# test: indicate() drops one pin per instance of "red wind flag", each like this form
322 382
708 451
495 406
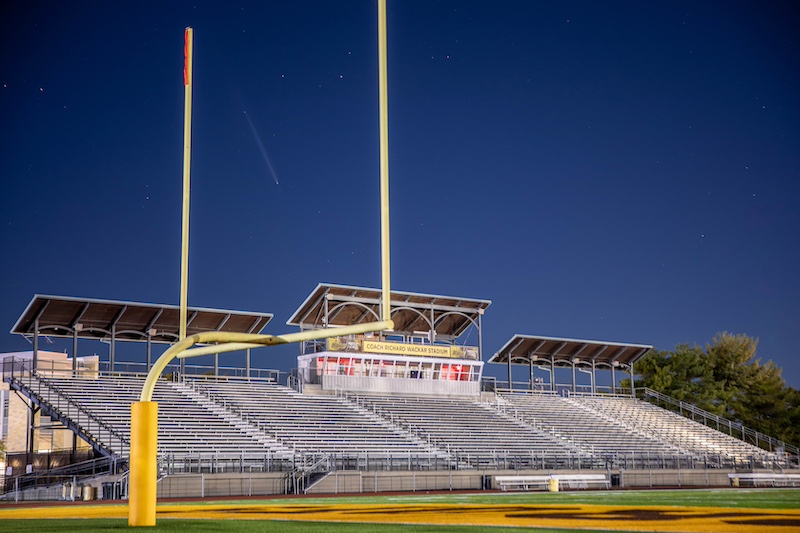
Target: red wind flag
186 57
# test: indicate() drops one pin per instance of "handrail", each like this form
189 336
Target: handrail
18 370
757 436
91 468
60 392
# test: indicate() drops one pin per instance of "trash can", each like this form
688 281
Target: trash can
553 485
88 493
615 482
735 481
486 483
108 491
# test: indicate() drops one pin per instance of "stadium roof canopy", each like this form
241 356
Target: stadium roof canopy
341 305
530 349
59 316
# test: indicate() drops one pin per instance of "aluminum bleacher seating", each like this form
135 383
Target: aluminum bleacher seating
229 417
588 430
319 424
185 425
680 431
465 427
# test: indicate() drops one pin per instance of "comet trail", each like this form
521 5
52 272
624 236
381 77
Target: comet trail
261 147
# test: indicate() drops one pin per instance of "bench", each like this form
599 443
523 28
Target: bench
769 479
582 481
572 481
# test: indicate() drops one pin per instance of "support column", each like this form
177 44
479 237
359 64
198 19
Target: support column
613 379
552 374
247 363
432 336
31 431
149 350
530 384
574 383
633 388
112 348
35 343
480 335
144 467
216 365
594 379
75 351
510 383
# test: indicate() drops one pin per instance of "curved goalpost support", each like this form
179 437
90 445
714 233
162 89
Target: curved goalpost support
144 413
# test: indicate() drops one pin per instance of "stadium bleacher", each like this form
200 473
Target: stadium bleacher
679 431
316 424
186 425
230 417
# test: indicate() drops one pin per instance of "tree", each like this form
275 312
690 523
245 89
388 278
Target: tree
728 380
764 402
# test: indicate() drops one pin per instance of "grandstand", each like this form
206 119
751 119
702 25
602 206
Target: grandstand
404 410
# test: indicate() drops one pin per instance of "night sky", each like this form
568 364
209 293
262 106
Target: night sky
623 171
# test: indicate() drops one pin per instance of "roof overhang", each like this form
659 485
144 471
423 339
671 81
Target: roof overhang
532 349
60 316
411 312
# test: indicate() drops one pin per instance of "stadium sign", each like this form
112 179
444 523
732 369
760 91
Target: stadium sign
341 344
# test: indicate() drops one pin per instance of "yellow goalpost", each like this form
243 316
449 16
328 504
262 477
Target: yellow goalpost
144 413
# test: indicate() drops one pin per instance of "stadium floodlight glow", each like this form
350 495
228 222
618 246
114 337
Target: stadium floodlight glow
144 413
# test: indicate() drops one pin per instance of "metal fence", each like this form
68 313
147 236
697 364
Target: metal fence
734 429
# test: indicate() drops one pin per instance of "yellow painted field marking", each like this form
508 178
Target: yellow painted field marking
591 517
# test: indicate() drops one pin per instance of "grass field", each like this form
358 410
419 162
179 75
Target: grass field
733 498
701 511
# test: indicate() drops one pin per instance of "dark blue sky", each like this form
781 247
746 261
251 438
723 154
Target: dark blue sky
623 171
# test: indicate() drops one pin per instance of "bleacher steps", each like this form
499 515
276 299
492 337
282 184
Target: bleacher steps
628 427
260 436
407 432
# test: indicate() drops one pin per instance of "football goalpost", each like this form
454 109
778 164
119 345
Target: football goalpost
144 413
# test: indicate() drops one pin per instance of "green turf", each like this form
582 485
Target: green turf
732 498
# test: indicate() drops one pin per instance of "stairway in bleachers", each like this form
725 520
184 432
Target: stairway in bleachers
186 426
311 424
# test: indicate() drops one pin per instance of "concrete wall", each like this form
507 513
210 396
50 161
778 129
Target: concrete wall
675 478
221 485
355 482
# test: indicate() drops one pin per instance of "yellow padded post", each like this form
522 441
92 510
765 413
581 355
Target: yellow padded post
144 468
